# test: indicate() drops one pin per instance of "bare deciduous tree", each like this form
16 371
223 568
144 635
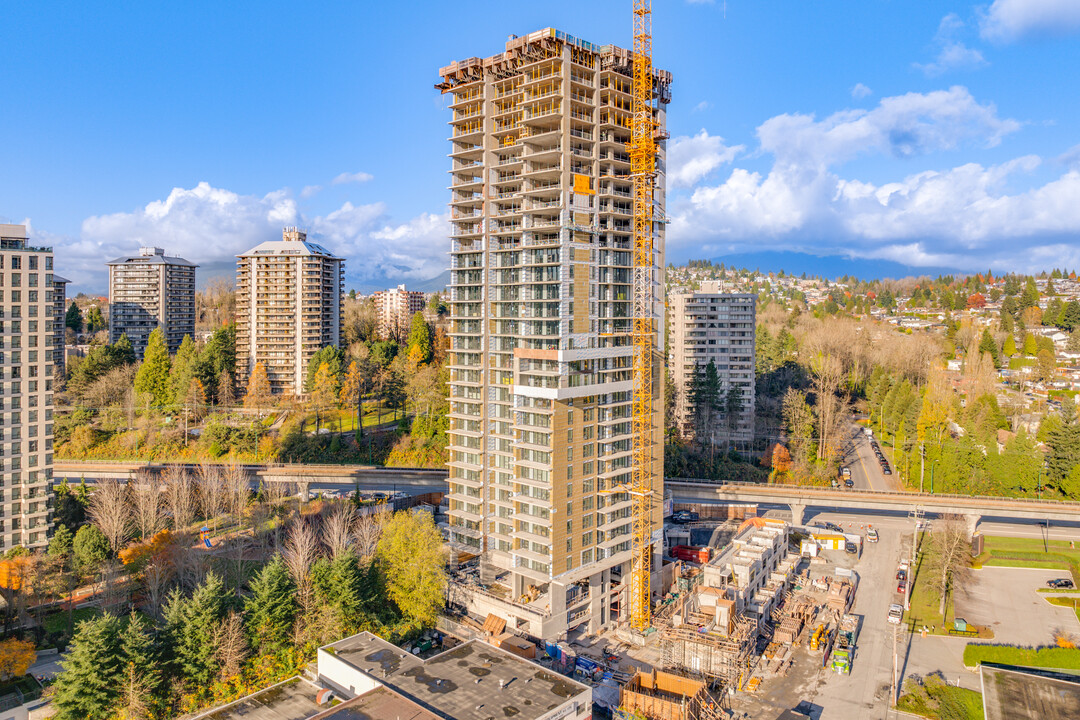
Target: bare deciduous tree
156 579
147 504
367 530
948 559
212 490
232 647
180 497
337 528
239 489
110 510
300 552
114 586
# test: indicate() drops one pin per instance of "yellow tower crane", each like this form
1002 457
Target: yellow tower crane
643 170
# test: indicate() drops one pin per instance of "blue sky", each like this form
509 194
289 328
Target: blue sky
943 134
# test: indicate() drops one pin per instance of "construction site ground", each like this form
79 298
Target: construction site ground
803 681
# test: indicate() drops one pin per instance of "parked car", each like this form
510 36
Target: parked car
901 587
885 470
845 471
901 574
1059 583
833 527
684 516
896 613
849 483
871 535
851 548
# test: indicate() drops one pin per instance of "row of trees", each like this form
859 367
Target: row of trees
331 575
947 443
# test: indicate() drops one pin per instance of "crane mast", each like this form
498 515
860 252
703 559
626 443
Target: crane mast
643 171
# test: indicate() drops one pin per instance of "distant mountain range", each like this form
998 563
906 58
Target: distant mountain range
829 267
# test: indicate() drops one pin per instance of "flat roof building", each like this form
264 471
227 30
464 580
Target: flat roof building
27 363
712 326
541 311
473 681
151 290
288 307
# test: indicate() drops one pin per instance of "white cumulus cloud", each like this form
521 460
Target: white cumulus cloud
690 159
210 226
356 177
1009 20
952 53
860 91
963 216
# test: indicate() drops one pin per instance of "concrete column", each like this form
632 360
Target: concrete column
798 512
304 494
972 522
597 590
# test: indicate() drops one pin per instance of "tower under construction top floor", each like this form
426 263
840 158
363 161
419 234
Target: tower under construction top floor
542 312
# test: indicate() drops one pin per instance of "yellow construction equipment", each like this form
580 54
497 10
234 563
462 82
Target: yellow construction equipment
643 170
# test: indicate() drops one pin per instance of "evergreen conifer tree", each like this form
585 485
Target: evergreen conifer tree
271 609
89 687
153 375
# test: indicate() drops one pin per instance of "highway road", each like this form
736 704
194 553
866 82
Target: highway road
865 469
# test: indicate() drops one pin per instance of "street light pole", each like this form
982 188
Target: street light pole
922 465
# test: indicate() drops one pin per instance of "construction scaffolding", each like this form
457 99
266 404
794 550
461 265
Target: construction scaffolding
722 658
664 696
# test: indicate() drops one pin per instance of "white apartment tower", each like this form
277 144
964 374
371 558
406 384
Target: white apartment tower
394 309
151 290
288 307
541 308
712 326
28 332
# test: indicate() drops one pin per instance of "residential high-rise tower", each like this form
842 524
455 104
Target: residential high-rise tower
394 309
712 326
26 407
288 307
541 307
151 290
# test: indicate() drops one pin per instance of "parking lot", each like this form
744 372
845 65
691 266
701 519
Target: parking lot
1006 601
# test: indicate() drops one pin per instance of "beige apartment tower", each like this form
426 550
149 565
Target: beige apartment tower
394 310
28 332
151 290
712 326
541 308
288 307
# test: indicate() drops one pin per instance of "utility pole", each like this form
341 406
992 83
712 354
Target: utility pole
917 513
892 694
922 465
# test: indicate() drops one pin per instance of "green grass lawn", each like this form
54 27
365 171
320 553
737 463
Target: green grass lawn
1047 657
1031 552
934 698
58 621
345 420
925 602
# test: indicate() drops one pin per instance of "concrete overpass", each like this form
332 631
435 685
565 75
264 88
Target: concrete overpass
305 477
798 498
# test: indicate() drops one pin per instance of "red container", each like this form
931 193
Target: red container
691 553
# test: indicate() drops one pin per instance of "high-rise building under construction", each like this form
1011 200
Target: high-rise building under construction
542 312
